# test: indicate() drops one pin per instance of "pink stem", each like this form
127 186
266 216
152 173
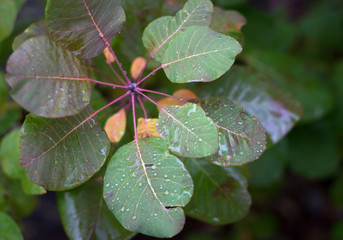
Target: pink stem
134 119
103 83
167 95
152 101
145 66
152 73
115 73
145 115
116 60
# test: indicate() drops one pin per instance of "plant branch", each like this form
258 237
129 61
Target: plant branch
102 83
167 95
152 73
160 107
115 73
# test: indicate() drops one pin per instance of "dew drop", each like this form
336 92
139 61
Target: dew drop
140 184
122 209
241 153
200 139
101 35
165 175
134 217
107 185
153 167
166 192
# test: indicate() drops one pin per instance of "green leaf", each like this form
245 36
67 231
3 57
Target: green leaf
228 22
274 107
35 30
97 222
3 93
220 194
199 55
188 131
241 137
9 230
159 33
62 153
145 188
8 13
47 80
84 27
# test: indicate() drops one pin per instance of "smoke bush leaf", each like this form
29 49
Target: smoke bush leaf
46 79
159 33
184 94
84 26
241 137
147 128
62 153
115 126
188 131
199 55
35 30
8 228
146 187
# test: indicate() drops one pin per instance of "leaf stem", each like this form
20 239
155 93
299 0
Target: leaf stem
152 101
102 83
115 73
152 73
145 115
167 95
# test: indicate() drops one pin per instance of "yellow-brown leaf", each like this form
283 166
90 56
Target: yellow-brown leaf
182 93
115 126
137 67
147 129
109 56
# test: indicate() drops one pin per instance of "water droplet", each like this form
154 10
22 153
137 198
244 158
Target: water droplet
221 120
166 192
159 163
122 209
153 167
200 139
140 184
134 217
165 175
101 35
241 153
107 185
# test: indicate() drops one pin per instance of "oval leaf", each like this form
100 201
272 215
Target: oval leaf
97 222
84 26
47 80
159 33
184 94
220 194
241 137
115 126
146 187
9 230
147 128
188 131
34 30
199 55
137 67
62 153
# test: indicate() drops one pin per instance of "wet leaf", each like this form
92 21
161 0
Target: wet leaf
241 137
184 94
199 55
137 67
46 79
35 30
97 222
147 128
188 131
115 126
9 230
62 153
9 156
84 27
159 33
220 194
228 22
274 107
146 187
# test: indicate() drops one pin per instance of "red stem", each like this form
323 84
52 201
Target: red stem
152 73
167 95
152 101
115 73
103 83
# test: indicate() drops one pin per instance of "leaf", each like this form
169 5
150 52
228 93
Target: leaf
62 153
115 126
241 137
199 55
35 30
84 27
228 22
8 13
274 107
159 33
9 156
9 230
109 56
220 194
188 131
184 94
46 79
97 222
146 187
137 67
148 128
3 92
98 101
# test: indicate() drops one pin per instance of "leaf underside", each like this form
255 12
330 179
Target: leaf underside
241 137
35 30
84 26
188 131
62 153
45 79
145 188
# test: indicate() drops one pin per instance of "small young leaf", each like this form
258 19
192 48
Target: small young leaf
34 30
199 55
109 56
184 94
9 230
115 126
148 128
220 194
146 187
84 26
8 13
137 67
62 153
46 79
188 131
159 33
241 137
85 216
